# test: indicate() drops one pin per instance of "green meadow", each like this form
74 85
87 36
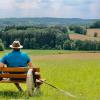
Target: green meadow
75 72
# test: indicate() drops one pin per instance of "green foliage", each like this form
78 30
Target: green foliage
35 37
46 37
95 24
71 27
61 28
81 45
1 46
43 21
78 29
67 45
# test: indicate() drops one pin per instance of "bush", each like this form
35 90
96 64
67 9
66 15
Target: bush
67 45
1 47
80 30
81 45
95 24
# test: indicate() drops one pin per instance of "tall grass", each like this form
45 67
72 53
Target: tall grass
81 77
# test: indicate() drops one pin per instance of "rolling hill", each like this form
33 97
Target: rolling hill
45 21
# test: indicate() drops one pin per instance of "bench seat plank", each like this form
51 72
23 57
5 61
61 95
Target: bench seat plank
7 75
14 81
19 69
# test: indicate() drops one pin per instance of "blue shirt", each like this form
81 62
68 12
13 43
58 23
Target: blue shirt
16 59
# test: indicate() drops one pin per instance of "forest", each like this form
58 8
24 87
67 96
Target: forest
47 36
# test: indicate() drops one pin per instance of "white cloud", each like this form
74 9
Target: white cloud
50 8
95 9
28 4
6 4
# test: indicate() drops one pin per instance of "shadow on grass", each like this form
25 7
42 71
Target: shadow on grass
17 95
13 94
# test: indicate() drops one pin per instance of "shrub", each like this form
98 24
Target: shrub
1 47
67 45
81 45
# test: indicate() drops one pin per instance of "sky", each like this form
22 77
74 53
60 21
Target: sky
86 9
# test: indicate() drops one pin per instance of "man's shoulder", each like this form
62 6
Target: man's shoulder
24 53
7 54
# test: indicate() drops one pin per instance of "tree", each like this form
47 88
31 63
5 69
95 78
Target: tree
72 27
67 45
95 24
80 30
26 43
35 37
1 46
95 34
32 43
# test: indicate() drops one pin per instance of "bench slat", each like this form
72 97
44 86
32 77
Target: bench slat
14 81
19 69
13 75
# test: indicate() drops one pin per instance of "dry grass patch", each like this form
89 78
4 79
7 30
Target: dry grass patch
83 37
91 32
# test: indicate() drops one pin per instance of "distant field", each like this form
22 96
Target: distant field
44 52
75 72
83 37
90 32
88 36
40 52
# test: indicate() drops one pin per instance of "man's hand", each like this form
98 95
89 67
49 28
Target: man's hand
2 65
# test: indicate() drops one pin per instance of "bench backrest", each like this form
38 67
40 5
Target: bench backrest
12 72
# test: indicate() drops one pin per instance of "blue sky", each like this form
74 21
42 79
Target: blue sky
50 8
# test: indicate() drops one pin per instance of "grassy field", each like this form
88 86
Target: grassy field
75 72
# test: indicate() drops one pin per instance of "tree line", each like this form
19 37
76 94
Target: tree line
95 24
46 37
86 45
38 37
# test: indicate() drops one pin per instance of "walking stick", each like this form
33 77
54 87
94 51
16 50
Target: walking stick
61 90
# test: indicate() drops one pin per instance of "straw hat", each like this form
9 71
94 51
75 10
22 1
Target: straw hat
16 44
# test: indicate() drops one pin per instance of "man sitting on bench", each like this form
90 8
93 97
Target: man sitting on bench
16 58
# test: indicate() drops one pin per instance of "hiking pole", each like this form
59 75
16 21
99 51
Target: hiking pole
61 90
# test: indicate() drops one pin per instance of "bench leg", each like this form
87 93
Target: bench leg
18 87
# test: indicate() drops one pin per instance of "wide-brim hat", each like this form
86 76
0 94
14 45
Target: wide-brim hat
16 44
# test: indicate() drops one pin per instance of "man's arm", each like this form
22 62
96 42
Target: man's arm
3 62
30 65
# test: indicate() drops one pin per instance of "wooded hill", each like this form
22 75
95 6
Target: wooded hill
46 36
45 21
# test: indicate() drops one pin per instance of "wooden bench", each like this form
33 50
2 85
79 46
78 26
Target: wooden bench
21 75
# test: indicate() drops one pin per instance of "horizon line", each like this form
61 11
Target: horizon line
52 17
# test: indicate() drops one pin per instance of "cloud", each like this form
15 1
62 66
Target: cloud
6 4
50 8
95 9
27 5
